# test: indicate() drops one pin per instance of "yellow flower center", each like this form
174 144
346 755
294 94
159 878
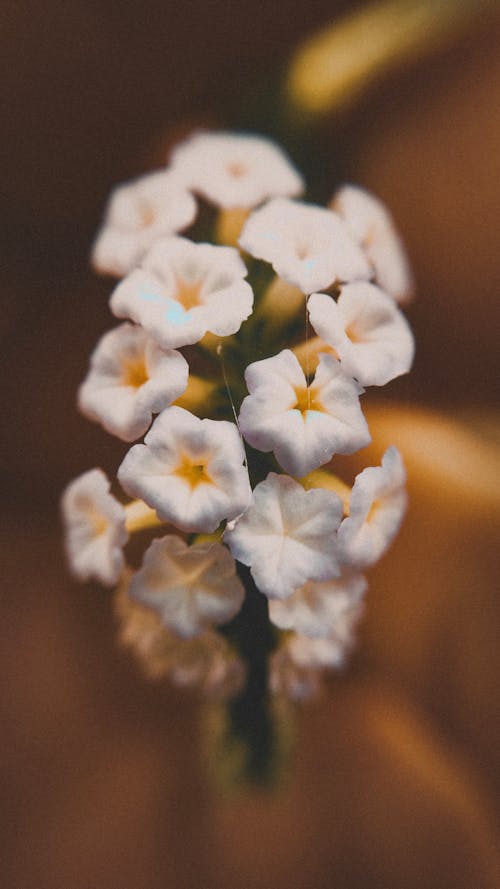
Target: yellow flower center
307 399
188 293
236 169
135 373
194 472
146 215
353 333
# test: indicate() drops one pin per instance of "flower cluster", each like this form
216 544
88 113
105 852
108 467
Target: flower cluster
233 480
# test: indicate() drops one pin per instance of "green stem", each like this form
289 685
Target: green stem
251 722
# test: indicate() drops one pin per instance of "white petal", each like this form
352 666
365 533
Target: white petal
138 213
152 296
290 679
319 609
316 653
235 169
95 528
373 227
191 587
112 396
154 471
369 333
377 506
273 416
287 535
308 246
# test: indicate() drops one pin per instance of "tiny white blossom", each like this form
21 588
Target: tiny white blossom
373 227
130 379
319 609
308 246
287 535
291 680
235 170
138 213
377 505
95 528
367 330
317 653
207 661
191 587
304 425
183 290
190 471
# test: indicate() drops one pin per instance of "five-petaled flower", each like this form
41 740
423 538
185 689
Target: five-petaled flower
206 661
376 509
130 379
183 290
235 170
319 609
190 471
95 528
372 225
309 246
287 535
368 332
138 213
190 587
303 424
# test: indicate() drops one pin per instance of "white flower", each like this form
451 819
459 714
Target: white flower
138 213
304 425
189 470
191 587
377 505
235 169
308 246
320 609
291 680
95 528
287 535
209 663
183 290
330 653
130 379
367 330
206 661
373 227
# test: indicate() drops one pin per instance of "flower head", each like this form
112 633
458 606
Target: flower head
235 169
303 424
95 528
130 379
287 535
377 505
308 246
183 290
320 609
138 213
206 661
190 471
372 225
290 680
370 335
191 587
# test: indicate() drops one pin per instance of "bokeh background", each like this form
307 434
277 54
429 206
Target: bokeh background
395 779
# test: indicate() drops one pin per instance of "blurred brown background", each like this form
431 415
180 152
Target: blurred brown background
396 775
